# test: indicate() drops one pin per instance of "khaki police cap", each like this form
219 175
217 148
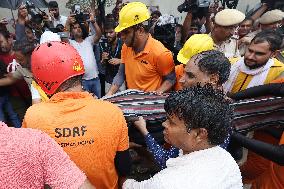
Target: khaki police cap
271 17
229 17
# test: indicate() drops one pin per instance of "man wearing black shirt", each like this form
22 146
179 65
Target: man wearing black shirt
111 54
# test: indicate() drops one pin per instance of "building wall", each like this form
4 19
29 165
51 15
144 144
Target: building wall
165 6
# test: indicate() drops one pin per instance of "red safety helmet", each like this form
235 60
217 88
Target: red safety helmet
53 63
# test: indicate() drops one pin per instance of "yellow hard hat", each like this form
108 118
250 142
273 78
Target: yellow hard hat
194 45
132 14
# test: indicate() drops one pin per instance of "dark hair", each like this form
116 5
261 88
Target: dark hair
83 28
52 4
166 35
273 37
109 18
142 25
60 27
24 46
158 13
109 25
214 62
202 107
5 33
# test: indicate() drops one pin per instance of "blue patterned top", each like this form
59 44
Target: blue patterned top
161 155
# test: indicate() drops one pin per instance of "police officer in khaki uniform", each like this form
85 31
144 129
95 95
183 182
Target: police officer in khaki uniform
225 24
269 20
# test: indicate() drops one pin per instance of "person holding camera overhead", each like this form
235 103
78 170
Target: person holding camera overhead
84 45
55 17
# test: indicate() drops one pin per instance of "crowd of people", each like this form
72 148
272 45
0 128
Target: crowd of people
61 133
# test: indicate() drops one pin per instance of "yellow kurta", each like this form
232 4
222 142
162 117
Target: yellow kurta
243 79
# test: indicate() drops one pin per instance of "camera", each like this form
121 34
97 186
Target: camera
80 16
193 5
36 16
274 4
104 45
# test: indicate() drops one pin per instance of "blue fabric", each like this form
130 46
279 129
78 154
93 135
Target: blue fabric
161 155
226 143
7 106
92 86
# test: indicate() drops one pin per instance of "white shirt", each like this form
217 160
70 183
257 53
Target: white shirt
61 20
229 47
212 168
85 49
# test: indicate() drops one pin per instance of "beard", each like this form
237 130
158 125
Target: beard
255 65
56 15
111 39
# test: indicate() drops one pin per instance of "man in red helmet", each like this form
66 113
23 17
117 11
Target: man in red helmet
92 132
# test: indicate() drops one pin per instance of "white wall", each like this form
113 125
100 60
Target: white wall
166 7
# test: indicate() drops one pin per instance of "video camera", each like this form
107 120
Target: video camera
193 5
80 16
37 16
274 4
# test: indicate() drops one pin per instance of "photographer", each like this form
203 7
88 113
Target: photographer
190 26
111 54
84 45
198 18
39 20
54 15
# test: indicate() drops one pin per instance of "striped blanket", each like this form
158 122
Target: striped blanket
249 114
136 103
256 113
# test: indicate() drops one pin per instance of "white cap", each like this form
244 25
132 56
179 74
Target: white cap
271 17
49 36
229 17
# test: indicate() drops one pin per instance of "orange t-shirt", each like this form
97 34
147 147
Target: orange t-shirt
90 131
145 70
280 80
179 69
256 164
273 178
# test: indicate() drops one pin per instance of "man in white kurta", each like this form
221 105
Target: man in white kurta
211 168
198 119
